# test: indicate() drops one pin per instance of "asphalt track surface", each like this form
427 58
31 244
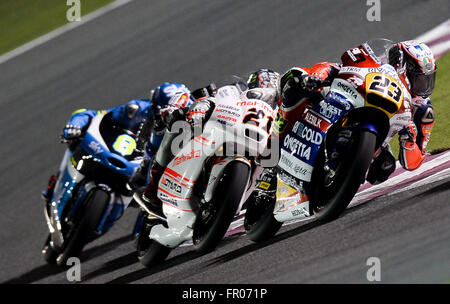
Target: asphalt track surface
122 54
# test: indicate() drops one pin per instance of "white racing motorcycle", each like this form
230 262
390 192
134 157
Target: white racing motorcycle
204 185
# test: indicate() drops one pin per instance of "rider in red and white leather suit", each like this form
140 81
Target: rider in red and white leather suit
416 67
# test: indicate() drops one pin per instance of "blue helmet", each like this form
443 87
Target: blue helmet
161 95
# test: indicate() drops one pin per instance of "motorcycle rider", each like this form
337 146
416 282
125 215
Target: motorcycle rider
416 67
262 85
130 116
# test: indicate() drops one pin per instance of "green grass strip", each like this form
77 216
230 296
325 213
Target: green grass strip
440 99
24 20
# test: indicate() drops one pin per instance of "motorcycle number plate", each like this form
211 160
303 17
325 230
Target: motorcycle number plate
124 144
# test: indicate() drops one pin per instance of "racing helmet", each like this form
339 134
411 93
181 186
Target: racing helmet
263 78
161 95
420 66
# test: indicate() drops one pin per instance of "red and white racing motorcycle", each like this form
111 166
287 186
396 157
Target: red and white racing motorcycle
203 188
326 155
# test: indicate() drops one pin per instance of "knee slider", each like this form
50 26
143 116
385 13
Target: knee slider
424 115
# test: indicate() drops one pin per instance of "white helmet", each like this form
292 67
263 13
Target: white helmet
418 59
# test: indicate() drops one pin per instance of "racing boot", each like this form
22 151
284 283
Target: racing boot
139 177
382 167
138 180
411 155
147 197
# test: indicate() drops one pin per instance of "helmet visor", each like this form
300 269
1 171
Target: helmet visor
422 84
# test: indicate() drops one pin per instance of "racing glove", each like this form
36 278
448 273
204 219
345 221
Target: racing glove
71 132
407 135
166 113
395 56
198 113
311 83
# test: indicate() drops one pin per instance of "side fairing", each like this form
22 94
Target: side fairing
301 144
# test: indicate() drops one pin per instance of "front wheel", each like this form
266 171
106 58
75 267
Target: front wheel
213 221
331 193
93 212
150 252
48 252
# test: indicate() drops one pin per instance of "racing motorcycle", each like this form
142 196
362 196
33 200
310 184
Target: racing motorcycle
326 154
89 192
204 185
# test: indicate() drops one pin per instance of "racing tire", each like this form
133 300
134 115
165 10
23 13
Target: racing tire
265 226
48 252
149 252
228 195
349 176
92 214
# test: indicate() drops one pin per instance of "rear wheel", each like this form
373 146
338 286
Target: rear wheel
94 209
260 223
215 218
331 193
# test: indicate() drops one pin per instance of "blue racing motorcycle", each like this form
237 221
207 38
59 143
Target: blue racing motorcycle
89 192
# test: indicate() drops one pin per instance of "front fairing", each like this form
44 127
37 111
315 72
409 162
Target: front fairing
66 188
110 147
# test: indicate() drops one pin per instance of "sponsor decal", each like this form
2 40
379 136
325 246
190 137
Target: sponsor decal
313 120
264 185
347 89
307 133
95 146
350 70
428 63
166 198
280 123
225 107
181 101
172 89
180 159
371 53
297 147
228 112
225 123
419 48
289 198
254 103
227 118
328 110
289 180
355 81
300 212
171 185
284 190
341 99
427 129
294 166
385 69
350 53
